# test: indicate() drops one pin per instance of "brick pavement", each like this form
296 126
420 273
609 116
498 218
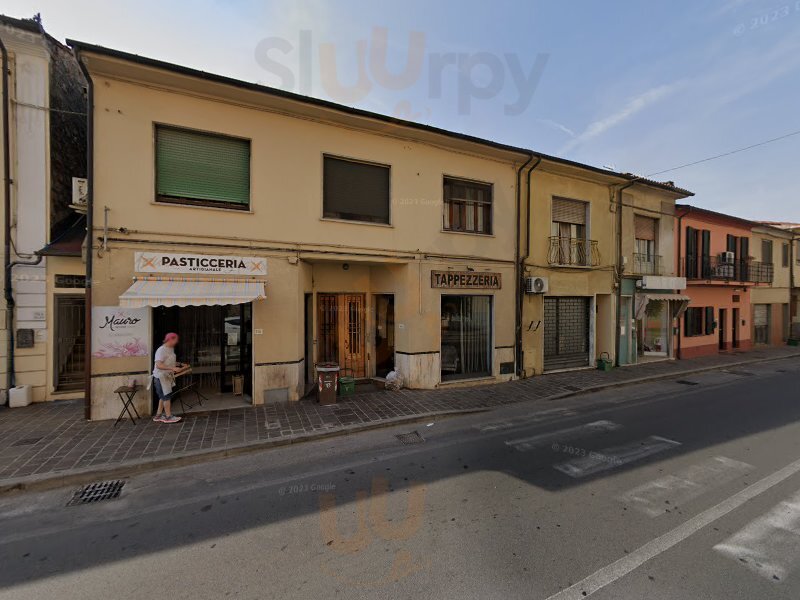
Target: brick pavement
54 439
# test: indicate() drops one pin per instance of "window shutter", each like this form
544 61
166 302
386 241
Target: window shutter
709 320
569 211
644 228
202 166
355 190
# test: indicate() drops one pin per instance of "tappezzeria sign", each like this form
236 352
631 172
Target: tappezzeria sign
466 280
158 262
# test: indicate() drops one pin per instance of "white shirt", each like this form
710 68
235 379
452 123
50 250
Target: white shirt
165 356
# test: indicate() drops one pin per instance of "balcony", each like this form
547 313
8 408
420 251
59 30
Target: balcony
647 264
573 252
716 268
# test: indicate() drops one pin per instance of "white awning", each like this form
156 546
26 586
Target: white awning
680 303
177 291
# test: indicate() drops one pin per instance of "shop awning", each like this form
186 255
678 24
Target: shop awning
178 291
680 303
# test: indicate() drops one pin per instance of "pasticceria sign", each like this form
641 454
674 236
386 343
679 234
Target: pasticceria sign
161 262
470 280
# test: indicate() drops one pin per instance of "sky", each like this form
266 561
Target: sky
639 87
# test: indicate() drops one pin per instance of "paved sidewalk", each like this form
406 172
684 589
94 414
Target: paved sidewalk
45 441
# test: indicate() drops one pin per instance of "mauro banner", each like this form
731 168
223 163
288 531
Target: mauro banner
120 332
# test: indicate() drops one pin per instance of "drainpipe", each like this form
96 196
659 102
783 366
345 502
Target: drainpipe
7 289
522 259
517 271
620 266
87 401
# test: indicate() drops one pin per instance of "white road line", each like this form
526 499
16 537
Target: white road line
522 421
611 458
770 545
543 439
657 497
611 573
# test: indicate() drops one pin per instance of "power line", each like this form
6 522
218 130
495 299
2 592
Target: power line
724 154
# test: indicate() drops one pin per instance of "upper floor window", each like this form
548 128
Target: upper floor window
785 255
204 169
467 206
355 191
569 245
766 251
646 259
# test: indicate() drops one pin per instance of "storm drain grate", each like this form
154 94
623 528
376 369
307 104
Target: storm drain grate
410 438
687 382
97 492
26 442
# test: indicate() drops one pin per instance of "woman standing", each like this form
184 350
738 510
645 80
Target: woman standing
166 365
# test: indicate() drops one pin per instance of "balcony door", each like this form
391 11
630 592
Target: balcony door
568 231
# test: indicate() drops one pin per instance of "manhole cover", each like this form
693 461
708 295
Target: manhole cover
687 382
97 492
26 442
410 438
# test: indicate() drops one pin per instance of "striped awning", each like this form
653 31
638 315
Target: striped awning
178 291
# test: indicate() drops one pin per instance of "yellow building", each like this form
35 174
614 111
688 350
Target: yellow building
770 320
576 276
273 232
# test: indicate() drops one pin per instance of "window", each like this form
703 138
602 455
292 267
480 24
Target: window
698 321
467 206
785 255
568 233
645 260
202 169
355 191
766 251
466 337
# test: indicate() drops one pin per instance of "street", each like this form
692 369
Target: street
683 489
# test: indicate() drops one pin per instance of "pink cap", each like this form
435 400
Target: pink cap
170 336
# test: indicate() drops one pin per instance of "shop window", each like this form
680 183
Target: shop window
466 350
355 191
204 169
467 206
695 321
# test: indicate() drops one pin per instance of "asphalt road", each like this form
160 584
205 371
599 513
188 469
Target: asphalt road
681 490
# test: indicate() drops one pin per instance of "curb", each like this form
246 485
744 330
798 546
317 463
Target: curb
81 476
49 481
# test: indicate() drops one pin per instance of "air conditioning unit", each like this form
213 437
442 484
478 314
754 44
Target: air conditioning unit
536 285
727 258
80 193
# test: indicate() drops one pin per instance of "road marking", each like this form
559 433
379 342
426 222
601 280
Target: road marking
770 545
611 458
543 439
534 418
657 497
611 573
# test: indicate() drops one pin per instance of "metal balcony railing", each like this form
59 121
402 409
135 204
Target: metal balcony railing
573 252
647 264
715 268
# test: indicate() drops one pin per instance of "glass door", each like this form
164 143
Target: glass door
656 328
236 345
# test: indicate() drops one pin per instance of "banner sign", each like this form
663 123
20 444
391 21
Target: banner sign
466 280
160 262
120 332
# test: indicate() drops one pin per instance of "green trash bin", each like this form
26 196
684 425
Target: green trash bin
347 384
604 362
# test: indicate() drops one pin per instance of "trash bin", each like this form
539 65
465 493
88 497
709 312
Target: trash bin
327 382
347 383
604 363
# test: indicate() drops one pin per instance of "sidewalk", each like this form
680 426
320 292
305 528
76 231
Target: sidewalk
52 442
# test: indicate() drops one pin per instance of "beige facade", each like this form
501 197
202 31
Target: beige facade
772 301
307 254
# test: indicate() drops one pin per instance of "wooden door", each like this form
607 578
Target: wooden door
341 331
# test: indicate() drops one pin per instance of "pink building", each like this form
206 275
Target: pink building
713 251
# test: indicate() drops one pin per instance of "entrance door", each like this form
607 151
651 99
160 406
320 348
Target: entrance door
723 327
566 332
761 323
735 329
341 331
384 334
70 368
